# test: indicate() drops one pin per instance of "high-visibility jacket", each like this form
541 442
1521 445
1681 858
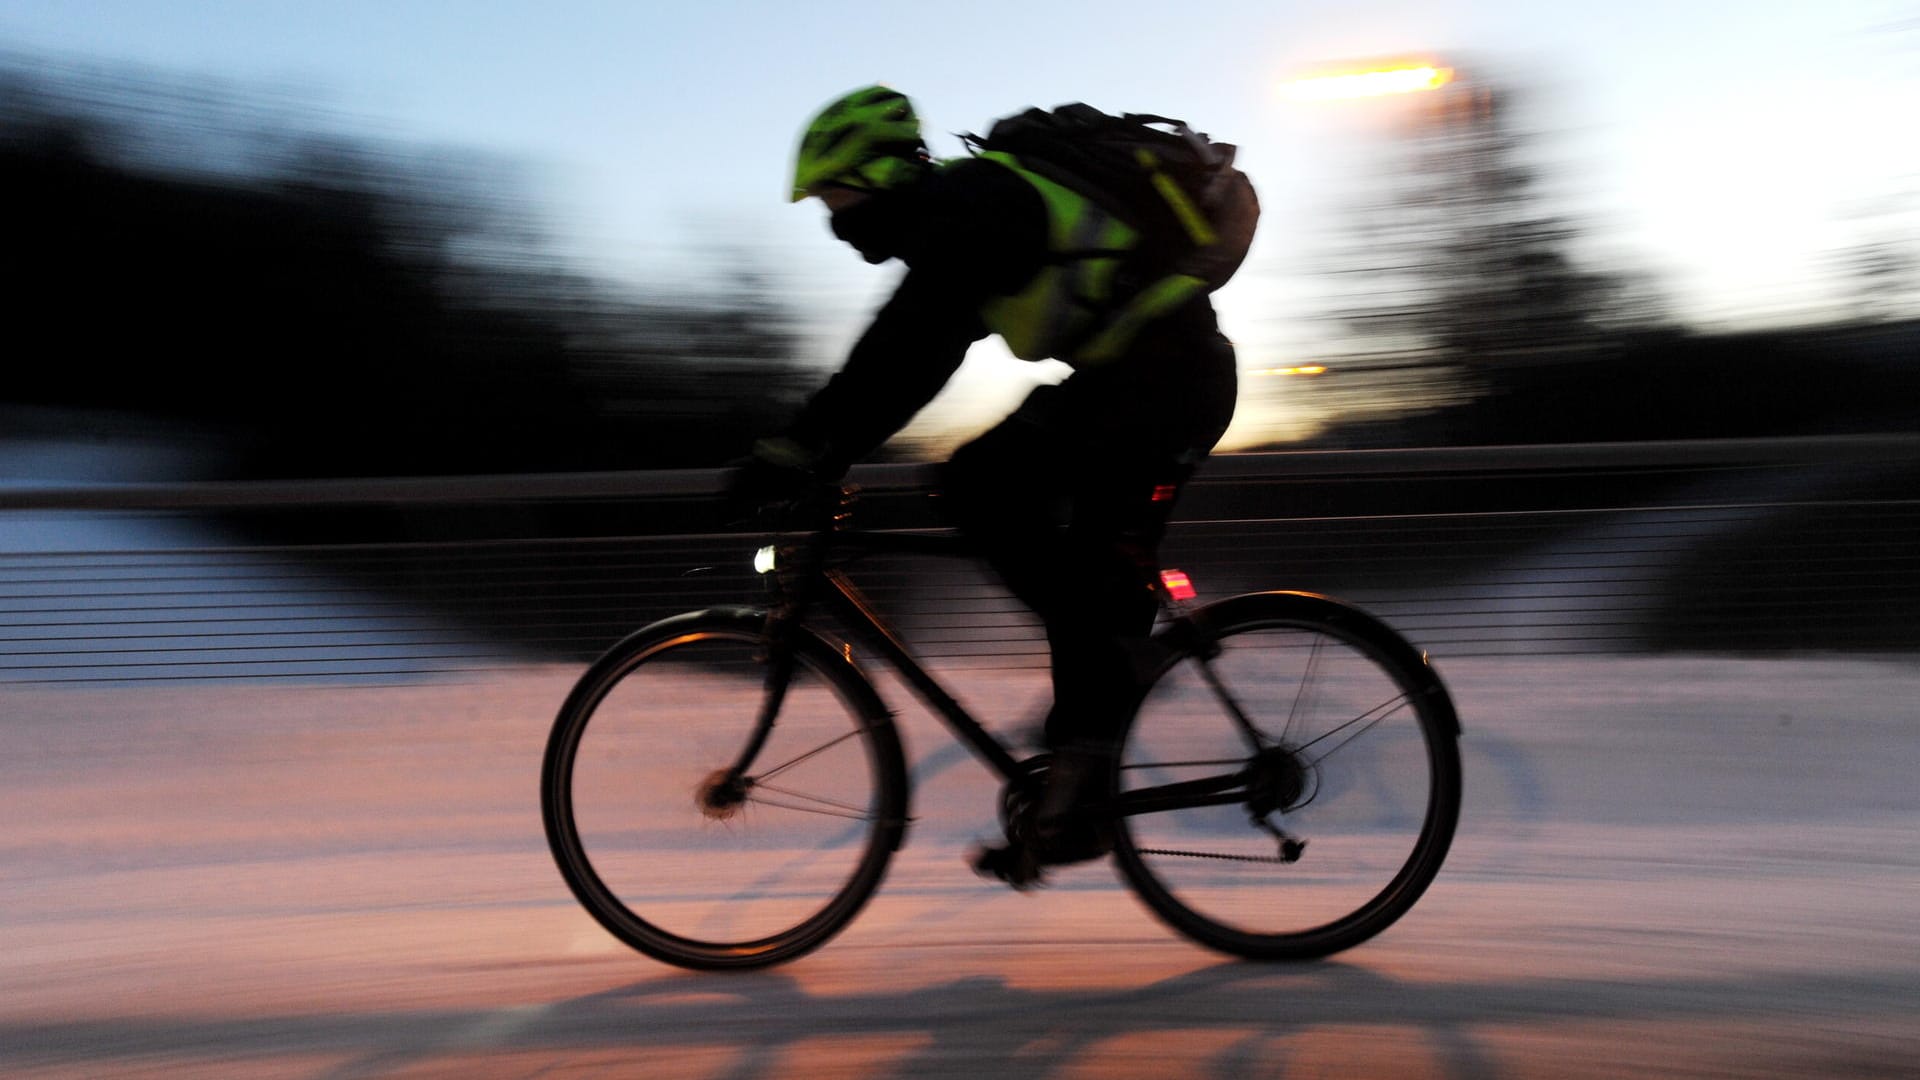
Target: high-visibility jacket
1073 308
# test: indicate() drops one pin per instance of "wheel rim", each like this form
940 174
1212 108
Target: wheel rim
674 868
1345 746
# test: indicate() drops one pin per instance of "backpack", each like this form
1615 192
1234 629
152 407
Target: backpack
1195 212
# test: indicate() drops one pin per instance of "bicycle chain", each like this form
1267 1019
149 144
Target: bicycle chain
1213 855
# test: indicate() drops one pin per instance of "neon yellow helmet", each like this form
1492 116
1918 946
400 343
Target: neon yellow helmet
868 140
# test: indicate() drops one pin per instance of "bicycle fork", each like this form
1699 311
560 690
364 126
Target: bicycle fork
722 793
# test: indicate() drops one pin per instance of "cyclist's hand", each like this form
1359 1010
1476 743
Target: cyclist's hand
775 477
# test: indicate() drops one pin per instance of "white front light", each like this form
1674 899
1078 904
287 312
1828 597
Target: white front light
763 560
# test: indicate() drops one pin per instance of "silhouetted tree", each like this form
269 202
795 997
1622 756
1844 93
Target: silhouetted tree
1456 255
334 306
1882 267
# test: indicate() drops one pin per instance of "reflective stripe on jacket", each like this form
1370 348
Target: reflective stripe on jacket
1069 310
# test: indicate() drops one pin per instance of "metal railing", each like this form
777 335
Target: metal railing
1749 546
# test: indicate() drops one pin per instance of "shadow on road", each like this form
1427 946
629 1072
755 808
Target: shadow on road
1226 1020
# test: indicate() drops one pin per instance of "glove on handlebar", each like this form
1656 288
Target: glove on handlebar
778 475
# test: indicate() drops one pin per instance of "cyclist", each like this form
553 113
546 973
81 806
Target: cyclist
1068 496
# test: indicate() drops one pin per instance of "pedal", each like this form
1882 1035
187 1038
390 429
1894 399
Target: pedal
1011 864
1291 846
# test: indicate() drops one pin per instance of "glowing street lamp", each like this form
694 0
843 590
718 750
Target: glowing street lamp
1377 81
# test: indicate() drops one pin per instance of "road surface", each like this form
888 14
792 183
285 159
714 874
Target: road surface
1667 867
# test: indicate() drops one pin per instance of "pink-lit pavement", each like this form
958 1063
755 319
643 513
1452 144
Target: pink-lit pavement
1684 867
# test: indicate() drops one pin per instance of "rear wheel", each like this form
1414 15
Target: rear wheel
672 852
1351 776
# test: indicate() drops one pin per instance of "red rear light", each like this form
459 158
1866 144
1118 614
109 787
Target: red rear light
1163 492
1179 586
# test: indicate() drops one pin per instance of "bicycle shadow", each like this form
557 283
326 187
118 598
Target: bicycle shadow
1230 1019
982 1024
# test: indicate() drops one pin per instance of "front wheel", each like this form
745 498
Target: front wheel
1334 749
677 850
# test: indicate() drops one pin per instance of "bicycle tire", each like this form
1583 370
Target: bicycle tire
1246 637
680 681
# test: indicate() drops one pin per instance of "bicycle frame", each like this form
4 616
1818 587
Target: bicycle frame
845 600
842 597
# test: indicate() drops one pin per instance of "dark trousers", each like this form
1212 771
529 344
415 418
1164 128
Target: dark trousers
1068 499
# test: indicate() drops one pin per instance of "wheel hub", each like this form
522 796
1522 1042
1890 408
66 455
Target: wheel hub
721 795
1276 781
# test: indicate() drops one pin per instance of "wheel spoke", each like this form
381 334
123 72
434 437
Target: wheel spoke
821 749
1306 679
1370 718
822 805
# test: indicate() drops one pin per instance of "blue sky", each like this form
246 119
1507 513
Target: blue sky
1721 144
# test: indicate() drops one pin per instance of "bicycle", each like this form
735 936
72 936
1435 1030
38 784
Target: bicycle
694 788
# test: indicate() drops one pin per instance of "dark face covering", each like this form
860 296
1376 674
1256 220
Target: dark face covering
869 225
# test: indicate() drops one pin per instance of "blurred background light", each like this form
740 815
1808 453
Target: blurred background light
1369 82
